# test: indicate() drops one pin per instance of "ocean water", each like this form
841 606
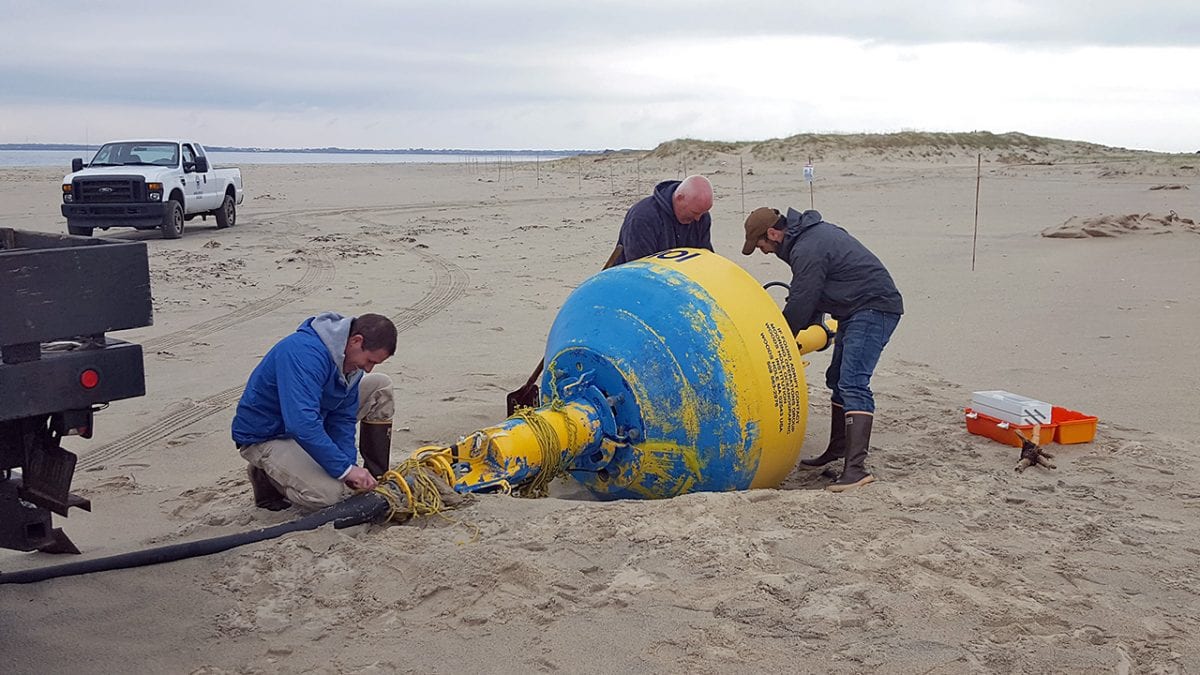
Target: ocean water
62 158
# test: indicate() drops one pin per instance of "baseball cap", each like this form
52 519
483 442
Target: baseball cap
757 223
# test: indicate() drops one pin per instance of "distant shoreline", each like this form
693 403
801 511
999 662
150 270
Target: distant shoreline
1008 147
325 151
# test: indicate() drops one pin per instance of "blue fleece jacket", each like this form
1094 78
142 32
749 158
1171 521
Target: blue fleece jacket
650 226
298 391
832 273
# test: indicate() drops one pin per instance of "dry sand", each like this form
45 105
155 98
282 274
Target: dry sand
950 563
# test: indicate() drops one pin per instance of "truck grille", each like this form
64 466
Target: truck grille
112 191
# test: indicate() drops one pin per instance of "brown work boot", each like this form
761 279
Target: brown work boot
266 495
858 440
837 438
375 445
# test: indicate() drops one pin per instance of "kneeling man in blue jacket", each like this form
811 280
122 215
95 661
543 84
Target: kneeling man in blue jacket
295 421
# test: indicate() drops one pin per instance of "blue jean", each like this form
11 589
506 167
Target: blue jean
859 341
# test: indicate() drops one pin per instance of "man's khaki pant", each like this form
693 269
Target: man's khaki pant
297 474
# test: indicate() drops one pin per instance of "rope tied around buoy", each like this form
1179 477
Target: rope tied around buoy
421 485
549 445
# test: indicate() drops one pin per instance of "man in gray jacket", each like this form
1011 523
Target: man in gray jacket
833 273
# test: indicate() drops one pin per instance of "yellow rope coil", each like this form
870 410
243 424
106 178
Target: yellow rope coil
411 489
548 444
417 485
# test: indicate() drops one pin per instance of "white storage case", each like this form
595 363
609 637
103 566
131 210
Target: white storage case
1010 407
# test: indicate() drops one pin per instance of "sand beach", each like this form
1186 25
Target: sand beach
950 563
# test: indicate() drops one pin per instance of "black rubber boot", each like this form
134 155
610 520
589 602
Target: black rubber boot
266 495
858 441
837 438
375 446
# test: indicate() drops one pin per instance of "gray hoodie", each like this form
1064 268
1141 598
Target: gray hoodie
334 331
832 273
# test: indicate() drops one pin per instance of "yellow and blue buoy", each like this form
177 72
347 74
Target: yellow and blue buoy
667 375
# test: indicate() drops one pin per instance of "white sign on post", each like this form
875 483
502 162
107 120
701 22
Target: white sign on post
808 173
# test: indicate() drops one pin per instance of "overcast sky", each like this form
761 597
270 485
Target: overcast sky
596 74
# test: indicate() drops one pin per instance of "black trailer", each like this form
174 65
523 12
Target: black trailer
59 296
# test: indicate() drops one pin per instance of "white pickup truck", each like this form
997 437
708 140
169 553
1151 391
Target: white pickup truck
148 185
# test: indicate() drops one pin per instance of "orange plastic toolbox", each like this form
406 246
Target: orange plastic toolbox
999 430
1071 426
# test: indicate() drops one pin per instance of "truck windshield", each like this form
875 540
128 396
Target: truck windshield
137 153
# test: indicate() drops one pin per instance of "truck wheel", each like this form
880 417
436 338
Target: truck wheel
172 224
227 214
79 229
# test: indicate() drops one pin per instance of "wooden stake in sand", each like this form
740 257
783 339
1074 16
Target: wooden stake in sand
974 237
809 176
742 176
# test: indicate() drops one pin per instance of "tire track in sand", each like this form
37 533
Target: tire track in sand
319 271
449 284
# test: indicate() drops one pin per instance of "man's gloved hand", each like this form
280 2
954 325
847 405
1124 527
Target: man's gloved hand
360 479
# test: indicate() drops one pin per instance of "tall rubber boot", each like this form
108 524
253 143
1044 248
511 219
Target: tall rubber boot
375 445
858 440
266 495
837 438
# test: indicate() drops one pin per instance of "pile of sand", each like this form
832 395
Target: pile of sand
1114 226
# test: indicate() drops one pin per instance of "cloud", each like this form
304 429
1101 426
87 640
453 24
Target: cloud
599 74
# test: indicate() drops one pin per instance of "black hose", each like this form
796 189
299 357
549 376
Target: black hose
362 508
